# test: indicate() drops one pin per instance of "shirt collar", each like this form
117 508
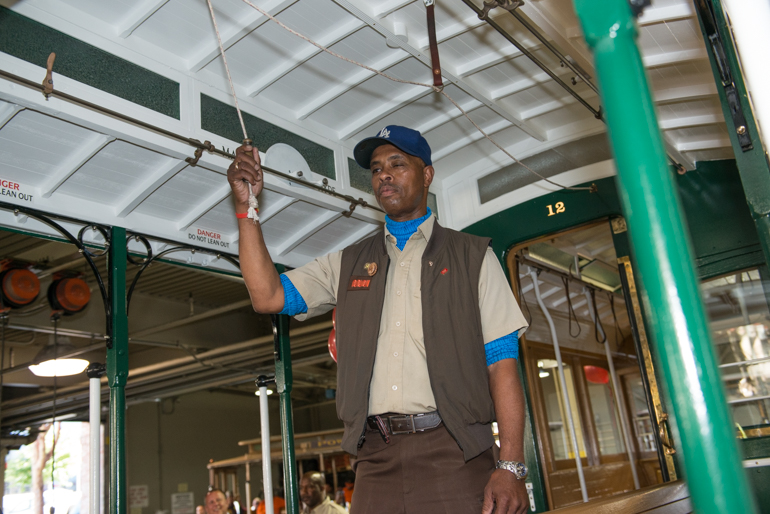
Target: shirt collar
425 228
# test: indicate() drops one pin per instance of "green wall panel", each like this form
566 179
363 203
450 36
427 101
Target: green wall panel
33 42
222 119
722 229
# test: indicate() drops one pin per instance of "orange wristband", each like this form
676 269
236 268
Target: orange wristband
241 215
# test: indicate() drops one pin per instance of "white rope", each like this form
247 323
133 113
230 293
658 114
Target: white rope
253 203
437 89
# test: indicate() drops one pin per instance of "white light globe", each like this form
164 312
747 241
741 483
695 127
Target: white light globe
59 367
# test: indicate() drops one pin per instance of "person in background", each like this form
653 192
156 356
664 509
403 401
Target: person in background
278 502
215 502
200 510
312 492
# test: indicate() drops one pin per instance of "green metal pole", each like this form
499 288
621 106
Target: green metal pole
680 333
117 370
283 383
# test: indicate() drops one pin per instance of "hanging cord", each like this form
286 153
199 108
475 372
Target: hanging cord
570 309
55 318
618 340
3 323
437 89
597 320
522 298
253 212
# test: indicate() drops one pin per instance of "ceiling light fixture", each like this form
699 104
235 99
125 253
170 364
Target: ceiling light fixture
51 366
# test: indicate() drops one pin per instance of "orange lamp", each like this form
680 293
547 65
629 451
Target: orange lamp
20 287
70 294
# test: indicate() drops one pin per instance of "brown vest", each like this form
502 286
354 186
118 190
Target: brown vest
451 324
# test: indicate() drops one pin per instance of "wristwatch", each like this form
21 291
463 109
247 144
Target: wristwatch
519 469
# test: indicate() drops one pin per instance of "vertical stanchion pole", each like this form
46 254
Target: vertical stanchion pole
264 418
563 379
283 383
117 369
95 372
651 206
615 389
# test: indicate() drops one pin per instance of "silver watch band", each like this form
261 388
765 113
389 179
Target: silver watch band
519 469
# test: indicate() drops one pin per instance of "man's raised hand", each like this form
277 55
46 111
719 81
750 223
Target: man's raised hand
246 167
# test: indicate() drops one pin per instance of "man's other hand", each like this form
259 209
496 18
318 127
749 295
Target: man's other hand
246 167
505 494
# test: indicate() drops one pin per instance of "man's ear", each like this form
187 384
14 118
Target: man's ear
428 173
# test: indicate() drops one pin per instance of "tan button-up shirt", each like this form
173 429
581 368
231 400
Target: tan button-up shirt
400 381
325 507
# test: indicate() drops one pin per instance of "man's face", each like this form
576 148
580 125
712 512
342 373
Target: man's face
400 182
216 503
310 492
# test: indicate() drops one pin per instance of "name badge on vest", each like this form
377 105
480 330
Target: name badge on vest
359 283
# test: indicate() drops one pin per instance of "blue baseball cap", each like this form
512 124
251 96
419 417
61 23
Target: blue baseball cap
405 139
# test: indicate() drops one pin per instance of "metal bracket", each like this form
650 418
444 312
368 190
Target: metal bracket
149 258
508 5
353 204
725 74
206 145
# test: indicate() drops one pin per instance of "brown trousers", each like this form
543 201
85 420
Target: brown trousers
421 473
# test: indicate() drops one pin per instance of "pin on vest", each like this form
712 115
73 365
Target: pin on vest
371 268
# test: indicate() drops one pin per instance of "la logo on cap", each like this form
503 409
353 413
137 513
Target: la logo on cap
384 133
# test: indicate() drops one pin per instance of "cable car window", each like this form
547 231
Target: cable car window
556 410
605 413
737 307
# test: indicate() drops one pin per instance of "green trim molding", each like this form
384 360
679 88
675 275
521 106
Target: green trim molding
33 42
222 119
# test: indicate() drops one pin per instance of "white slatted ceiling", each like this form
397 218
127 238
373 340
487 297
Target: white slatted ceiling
220 219
364 98
325 240
419 112
111 175
112 13
284 225
325 71
181 193
26 157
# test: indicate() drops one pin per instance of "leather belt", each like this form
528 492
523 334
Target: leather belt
396 424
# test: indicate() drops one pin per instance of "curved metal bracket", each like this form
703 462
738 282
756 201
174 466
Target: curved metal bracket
88 255
508 5
150 258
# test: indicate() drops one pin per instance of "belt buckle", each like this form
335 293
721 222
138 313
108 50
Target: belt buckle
408 420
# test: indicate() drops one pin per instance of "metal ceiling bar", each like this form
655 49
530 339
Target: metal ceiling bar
173 135
532 57
656 226
555 51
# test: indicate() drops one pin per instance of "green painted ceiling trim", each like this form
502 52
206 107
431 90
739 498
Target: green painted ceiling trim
33 42
222 119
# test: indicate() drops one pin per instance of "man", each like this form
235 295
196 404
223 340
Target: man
312 492
426 338
215 502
